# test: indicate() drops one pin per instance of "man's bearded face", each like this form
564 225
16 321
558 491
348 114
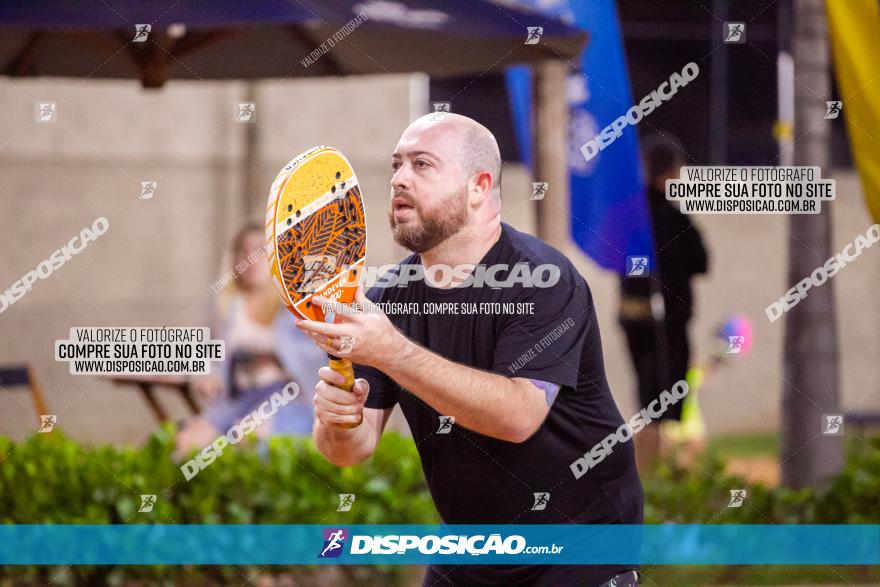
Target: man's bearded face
420 227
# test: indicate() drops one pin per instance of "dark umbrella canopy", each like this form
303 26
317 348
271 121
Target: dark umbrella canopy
230 39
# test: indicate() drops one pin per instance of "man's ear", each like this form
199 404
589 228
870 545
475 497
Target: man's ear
481 187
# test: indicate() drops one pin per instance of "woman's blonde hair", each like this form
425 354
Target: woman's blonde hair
267 299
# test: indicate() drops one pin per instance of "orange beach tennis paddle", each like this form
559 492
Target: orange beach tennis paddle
316 237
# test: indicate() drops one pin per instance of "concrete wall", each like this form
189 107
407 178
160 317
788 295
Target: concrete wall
156 264
748 258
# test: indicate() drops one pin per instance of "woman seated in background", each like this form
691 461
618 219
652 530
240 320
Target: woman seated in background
264 352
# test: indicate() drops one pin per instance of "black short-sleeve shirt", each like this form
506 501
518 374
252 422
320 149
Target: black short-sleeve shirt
544 333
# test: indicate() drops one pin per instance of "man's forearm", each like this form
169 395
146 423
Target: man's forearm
487 403
343 446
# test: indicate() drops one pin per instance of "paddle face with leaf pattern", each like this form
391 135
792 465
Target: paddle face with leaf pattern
316 236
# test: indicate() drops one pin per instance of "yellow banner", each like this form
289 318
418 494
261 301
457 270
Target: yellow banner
855 37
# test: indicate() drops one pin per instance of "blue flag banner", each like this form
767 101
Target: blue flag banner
518 80
609 210
662 544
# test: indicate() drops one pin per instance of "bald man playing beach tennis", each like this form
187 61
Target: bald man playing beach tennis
501 400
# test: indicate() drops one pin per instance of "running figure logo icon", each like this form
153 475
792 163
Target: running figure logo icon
446 423
636 266
317 271
736 344
246 112
541 500
141 32
832 109
534 34
833 424
45 112
440 110
346 500
47 422
539 190
737 496
736 32
334 541
148 189
147 503
346 345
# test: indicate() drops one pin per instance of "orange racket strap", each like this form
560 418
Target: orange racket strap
344 368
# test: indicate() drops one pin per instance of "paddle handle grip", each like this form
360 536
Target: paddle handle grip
344 368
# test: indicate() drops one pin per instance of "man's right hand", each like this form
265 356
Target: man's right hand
336 410
335 407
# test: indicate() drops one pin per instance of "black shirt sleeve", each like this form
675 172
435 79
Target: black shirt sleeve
547 344
383 391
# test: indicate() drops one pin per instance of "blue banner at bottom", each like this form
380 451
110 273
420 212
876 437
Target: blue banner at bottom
667 544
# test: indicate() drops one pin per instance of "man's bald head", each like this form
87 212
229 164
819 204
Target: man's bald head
445 181
475 145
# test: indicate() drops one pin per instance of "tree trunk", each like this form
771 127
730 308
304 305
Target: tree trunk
810 384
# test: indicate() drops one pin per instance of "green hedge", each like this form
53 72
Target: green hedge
49 478
701 494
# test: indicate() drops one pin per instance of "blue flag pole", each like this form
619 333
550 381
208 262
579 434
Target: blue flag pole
609 211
